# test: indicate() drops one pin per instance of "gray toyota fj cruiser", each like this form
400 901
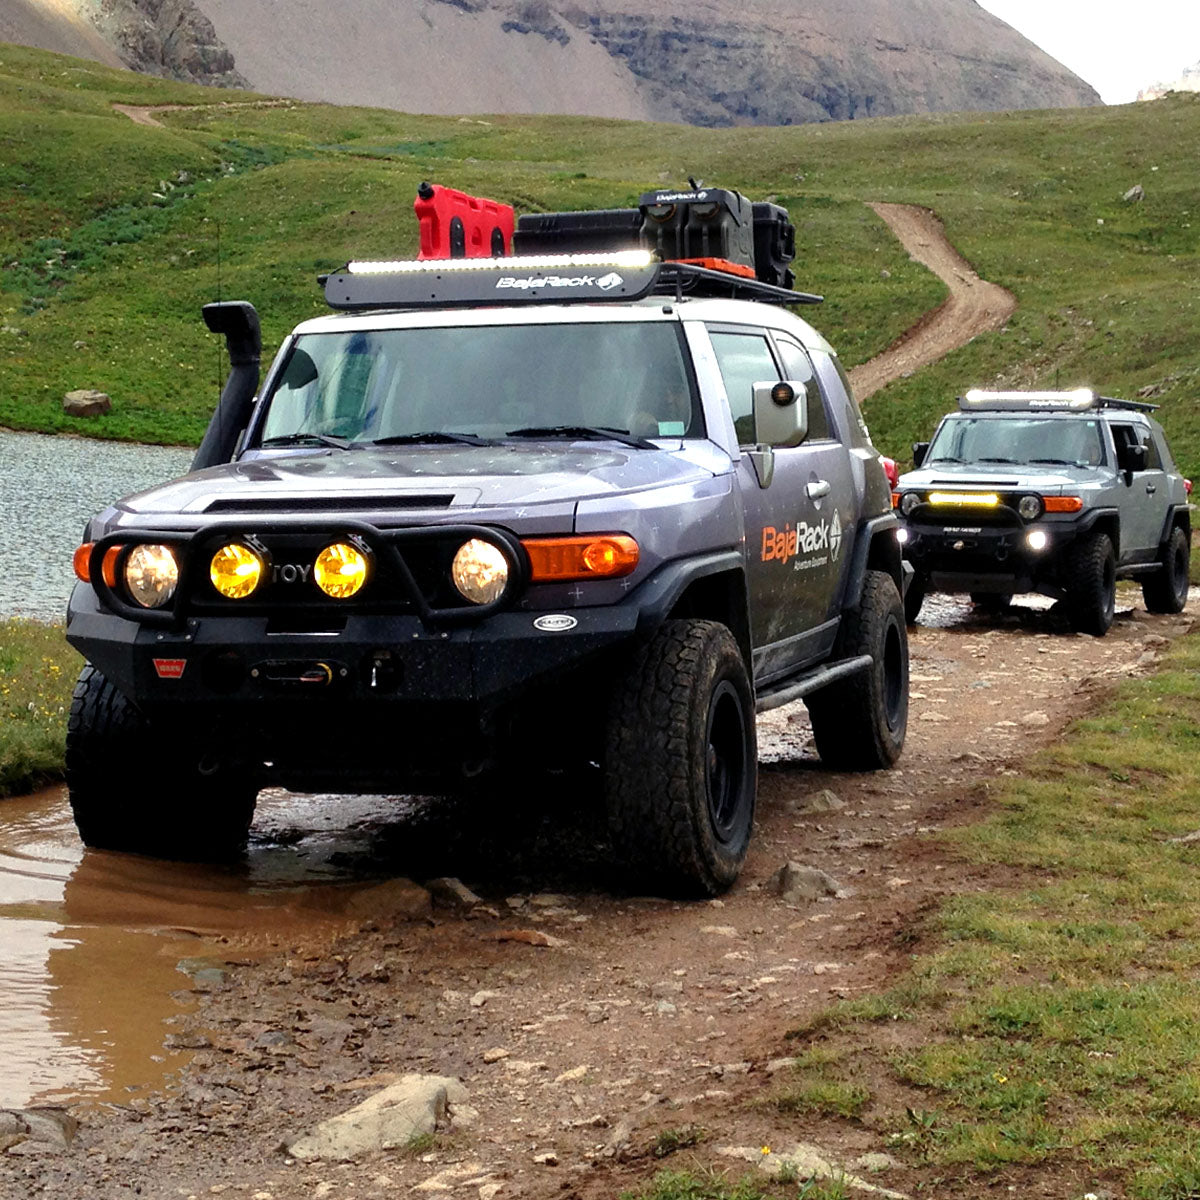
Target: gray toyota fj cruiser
498 516
1060 493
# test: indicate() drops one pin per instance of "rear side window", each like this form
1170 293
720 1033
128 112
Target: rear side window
744 359
798 367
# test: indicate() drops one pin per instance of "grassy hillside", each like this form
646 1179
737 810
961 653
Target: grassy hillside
112 234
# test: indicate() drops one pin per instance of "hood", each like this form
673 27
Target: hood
1046 478
443 477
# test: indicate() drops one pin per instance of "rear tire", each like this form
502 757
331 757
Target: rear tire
681 761
1166 591
134 789
859 723
1092 586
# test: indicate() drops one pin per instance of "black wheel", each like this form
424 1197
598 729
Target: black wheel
681 760
859 723
991 602
914 597
1166 591
1092 584
134 789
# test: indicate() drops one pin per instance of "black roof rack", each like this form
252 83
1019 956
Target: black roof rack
1078 400
540 279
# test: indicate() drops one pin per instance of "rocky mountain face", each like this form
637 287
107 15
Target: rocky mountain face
169 38
704 62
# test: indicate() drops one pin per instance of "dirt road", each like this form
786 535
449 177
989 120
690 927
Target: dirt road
582 1022
973 307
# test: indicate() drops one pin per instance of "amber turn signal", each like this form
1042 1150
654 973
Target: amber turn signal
1066 504
598 556
82 562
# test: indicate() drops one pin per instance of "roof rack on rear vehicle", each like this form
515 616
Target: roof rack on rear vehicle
1078 400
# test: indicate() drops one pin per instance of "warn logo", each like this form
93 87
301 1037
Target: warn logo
169 668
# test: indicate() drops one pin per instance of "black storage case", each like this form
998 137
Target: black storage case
774 244
593 232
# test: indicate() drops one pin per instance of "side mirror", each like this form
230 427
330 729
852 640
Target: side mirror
920 449
780 413
1133 458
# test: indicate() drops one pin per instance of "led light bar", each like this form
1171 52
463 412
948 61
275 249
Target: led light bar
1074 401
526 262
965 499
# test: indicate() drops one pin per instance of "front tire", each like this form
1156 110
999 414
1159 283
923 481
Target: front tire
681 760
133 789
859 723
1092 590
1166 591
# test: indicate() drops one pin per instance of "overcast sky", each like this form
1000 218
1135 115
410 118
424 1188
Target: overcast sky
1118 46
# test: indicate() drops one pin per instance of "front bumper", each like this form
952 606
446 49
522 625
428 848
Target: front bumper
988 558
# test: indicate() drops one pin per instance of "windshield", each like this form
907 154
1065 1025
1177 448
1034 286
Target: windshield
1019 440
365 386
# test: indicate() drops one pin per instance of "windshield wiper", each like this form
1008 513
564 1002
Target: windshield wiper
1012 461
601 433
304 439
433 435
1056 462
941 458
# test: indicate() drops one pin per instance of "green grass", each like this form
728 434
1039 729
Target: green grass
110 231
1054 1026
37 673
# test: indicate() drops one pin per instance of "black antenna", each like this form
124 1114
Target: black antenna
218 224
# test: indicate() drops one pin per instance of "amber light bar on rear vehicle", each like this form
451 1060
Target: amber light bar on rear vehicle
594 556
964 499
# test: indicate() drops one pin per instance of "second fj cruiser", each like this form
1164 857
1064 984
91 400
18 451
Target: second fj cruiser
500 515
1060 493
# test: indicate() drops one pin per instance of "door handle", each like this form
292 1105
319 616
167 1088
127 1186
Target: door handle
818 489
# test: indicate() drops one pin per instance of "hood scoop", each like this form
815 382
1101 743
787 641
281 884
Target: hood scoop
327 504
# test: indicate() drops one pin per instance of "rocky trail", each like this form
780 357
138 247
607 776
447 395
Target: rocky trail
577 1027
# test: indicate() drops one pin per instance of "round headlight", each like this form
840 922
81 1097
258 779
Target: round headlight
480 571
909 501
236 570
151 575
341 570
1030 508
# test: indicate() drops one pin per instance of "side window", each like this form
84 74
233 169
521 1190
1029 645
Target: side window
745 359
796 365
1154 460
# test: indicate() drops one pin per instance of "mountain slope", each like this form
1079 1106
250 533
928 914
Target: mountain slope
701 62
54 25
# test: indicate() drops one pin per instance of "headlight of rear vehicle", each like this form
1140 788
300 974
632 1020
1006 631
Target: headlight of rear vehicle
1030 507
909 501
151 575
236 570
479 571
341 570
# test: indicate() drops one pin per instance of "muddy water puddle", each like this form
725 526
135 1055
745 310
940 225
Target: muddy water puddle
100 950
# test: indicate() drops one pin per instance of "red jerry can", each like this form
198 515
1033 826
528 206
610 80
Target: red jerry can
455 225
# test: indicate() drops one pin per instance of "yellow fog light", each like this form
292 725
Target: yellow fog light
151 574
236 570
341 570
480 571
965 499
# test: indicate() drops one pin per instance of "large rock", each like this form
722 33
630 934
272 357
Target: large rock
389 1120
86 402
